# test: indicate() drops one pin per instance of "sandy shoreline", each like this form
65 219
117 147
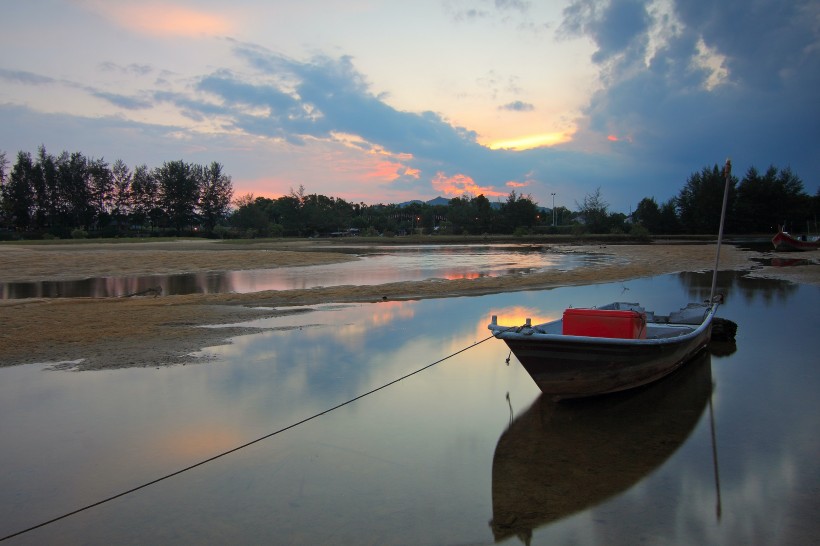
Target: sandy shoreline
140 331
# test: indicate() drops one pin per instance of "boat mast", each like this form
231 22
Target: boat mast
727 175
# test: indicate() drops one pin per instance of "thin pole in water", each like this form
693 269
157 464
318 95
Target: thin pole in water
727 174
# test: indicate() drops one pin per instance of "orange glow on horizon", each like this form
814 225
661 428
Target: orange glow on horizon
531 142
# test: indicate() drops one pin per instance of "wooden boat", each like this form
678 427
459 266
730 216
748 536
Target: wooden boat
783 240
620 346
559 459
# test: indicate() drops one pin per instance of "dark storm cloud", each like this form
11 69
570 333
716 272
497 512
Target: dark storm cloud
614 26
760 106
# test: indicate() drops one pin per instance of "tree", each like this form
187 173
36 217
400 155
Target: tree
121 192
250 216
75 191
701 200
668 220
46 195
484 215
593 210
18 193
101 188
518 212
216 192
144 196
768 200
4 163
648 214
179 192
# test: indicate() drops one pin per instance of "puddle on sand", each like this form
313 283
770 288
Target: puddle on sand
379 266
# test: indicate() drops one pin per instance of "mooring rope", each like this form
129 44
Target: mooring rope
243 446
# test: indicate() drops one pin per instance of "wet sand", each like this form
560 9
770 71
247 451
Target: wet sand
154 331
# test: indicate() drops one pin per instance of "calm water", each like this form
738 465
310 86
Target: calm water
733 459
378 265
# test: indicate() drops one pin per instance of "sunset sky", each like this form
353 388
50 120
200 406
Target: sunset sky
386 101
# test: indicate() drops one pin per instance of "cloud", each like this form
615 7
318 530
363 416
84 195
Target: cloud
616 27
122 101
517 106
24 77
30 78
472 10
461 184
697 80
135 69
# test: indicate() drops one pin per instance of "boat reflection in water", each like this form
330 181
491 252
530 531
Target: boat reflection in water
560 458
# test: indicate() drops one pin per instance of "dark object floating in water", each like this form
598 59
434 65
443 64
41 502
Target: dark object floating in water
723 329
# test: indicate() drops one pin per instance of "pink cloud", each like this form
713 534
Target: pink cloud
461 184
389 171
614 138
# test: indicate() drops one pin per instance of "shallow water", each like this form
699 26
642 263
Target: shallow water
378 265
418 462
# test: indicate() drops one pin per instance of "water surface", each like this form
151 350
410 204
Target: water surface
419 461
377 265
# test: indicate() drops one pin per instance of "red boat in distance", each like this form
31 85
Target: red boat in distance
784 241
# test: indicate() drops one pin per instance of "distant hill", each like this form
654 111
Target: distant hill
438 201
433 202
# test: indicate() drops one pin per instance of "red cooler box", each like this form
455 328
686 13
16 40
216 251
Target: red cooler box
605 323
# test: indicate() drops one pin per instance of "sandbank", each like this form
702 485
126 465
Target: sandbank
103 333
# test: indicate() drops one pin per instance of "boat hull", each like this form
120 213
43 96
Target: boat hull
577 366
784 241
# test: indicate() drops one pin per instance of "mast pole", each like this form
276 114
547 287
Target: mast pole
727 175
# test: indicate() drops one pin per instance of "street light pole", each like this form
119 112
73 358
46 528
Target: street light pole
553 209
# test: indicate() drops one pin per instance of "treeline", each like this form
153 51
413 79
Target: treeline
301 214
757 203
71 195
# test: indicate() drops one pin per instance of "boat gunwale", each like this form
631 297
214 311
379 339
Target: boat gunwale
528 333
